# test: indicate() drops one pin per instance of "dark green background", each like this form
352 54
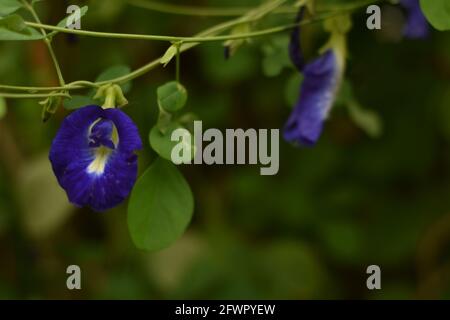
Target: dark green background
308 232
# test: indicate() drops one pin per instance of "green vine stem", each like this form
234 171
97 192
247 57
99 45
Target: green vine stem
33 96
47 41
189 10
188 43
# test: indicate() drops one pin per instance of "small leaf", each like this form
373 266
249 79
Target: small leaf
232 46
162 143
115 72
2 107
437 13
160 208
367 120
276 57
63 22
14 28
49 107
172 96
168 56
9 6
78 101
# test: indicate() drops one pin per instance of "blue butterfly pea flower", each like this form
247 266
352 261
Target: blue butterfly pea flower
93 157
416 26
317 93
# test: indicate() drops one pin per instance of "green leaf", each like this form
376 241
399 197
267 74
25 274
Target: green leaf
367 120
63 22
437 13
232 46
9 6
49 107
2 107
14 28
161 141
160 208
168 55
276 56
115 72
172 96
78 101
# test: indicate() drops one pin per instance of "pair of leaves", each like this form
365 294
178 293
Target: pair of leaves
161 203
172 97
437 13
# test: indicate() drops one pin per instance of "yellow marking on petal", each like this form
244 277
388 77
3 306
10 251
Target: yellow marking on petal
115 136
97 166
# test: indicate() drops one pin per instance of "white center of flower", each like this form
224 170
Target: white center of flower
103 139
97 166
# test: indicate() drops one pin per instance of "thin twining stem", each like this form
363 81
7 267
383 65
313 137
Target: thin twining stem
47 42
33 95
255 34
252 16
184 47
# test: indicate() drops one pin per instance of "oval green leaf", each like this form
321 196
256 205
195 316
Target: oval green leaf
163 144
9 6
160 207
172 96
14 28
437 13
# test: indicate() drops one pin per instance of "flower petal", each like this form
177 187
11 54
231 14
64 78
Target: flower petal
128 132
318 92
104 191
72 138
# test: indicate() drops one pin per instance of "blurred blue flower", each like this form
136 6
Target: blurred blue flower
417 26
318 92
93 157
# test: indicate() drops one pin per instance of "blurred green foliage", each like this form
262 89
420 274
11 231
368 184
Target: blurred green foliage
308 232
